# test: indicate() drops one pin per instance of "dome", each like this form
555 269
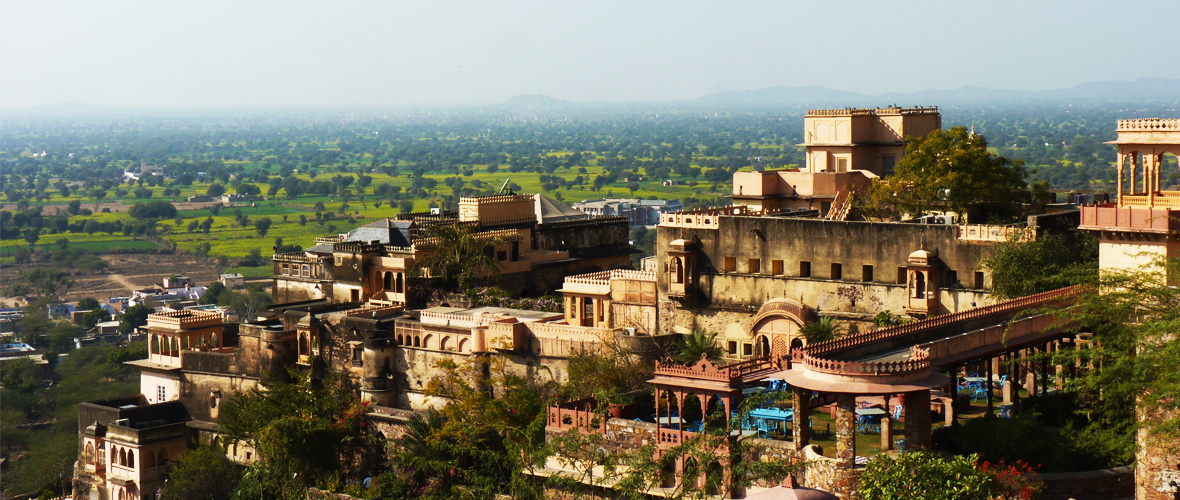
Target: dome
922 257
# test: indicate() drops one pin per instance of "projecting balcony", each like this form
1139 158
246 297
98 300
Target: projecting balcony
1133 218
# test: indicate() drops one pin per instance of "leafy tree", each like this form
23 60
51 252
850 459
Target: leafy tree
819 331
41 283
1051 261
308 431
951 170
262 225
202 474
143 192
74 207
158 209
87 304
697 345
94 317
134 317
215 190
459 256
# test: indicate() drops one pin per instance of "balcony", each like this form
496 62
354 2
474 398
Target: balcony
1162 199
1109 217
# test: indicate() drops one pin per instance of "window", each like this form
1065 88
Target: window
804 269
951 277
754 266
501 255
733 347
356 295
515 252
730 264
979 279
841 164
837 271
901 275
825 207
161 394
747 349
887 164
339 260
357 359
866 273
776 267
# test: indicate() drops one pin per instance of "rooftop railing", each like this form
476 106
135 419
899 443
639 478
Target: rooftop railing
919 360
1150 125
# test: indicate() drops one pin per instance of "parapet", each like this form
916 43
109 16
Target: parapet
889 111
186 319
1150 125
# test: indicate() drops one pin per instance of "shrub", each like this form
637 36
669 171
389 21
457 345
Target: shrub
924 476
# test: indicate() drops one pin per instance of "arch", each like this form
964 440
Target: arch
88 455
691 412
796 343
668 474
304 348
677 270
762 346
426 341
417 341
920 284
131 458
162 459
400 339
463 345
155 459
442 344
400 284
387 281
123 457
714 477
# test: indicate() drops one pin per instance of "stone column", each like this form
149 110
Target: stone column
1007 391
886 433
950 414
917 420
846 430
801 421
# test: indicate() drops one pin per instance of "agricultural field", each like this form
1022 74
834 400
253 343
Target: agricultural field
75 184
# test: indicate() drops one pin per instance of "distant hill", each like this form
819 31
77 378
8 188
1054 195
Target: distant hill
1143 88
536 103
70 108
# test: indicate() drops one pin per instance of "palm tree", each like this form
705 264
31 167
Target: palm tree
824 329
699 343
459 256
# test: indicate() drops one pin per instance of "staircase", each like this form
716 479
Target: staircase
840 206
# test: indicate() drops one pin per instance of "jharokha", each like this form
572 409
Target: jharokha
782 257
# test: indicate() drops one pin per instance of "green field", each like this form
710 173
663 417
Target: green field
227 238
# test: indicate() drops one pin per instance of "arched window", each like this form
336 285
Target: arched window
920 285
88 455
462 345
131 459
442 345
162 459
304 350
387 281
417 341
401 284
123 457
426 341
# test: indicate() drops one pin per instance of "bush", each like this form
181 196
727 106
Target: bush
1049 449
924 476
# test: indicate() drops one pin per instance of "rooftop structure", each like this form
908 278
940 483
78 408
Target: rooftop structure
638 212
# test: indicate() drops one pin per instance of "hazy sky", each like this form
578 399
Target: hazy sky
254 53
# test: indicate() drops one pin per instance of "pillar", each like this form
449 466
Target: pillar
801 421
1007 391
1122 161
988 386
952 412
886 433
846 430
917 420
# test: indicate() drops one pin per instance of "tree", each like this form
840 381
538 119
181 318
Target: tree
215 190
134 317
32 235
633 187
158 209
41 283
699 344
951 170
820 331
202 474
143 193
74 207
94 317
87 304
262 225
1049 262
458 256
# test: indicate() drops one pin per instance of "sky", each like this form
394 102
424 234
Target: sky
229 54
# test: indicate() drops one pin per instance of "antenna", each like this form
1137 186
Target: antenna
503 187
